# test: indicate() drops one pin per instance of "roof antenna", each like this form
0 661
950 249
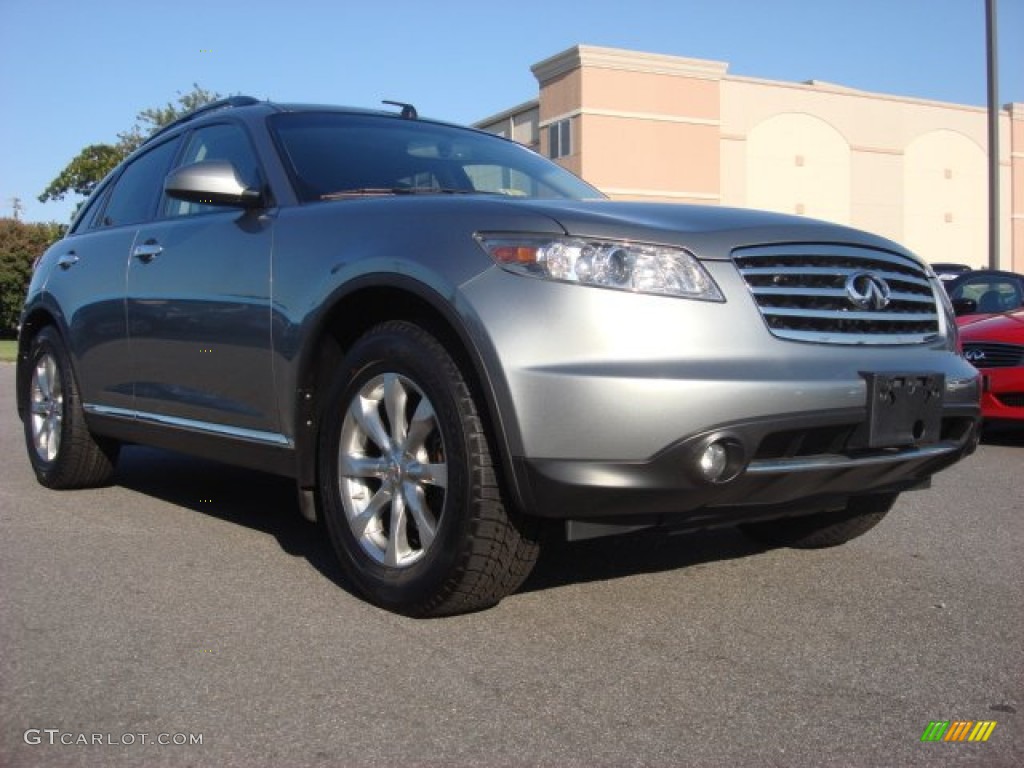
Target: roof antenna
408 110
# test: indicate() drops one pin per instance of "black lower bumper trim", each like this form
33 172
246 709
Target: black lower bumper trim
771 486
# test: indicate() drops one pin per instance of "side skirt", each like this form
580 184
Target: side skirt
263 451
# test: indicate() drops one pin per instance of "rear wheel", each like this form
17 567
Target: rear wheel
63 452
410 493
824 529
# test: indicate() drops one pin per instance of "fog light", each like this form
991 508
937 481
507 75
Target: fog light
714 461
718 459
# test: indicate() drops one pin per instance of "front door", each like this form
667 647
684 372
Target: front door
199 310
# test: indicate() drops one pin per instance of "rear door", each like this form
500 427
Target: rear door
90 280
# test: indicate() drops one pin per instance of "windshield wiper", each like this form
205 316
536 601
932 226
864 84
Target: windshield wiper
384 191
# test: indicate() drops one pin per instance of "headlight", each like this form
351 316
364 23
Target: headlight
637 267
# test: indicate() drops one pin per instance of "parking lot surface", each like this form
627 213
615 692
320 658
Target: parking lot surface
190 603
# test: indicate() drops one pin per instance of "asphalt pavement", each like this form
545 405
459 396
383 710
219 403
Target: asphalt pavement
190 604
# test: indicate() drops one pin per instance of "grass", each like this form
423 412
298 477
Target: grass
8 350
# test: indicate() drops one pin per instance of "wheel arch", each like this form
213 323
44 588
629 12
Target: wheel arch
34 322
367 302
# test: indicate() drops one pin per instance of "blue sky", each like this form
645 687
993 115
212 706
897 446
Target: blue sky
76 73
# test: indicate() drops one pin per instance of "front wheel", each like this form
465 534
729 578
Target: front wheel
409 491
824 529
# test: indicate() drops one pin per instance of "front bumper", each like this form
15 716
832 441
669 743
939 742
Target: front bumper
1002 394
795 465
606 397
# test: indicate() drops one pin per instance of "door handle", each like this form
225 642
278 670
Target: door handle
68 260
148 251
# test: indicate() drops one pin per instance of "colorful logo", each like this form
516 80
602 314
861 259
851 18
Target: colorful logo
958 730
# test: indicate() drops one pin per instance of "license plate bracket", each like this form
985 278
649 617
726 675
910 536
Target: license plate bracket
904 408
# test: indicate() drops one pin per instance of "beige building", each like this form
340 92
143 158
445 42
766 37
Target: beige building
651 127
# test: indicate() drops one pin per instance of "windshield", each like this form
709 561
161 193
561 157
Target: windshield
336 155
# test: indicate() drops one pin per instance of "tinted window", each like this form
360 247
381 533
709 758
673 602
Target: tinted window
991 293
137 190
331 154
85 218
217 142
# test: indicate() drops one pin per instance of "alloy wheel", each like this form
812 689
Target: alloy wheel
46 407
392 470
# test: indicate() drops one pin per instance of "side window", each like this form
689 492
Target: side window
217 142
135 193
85 217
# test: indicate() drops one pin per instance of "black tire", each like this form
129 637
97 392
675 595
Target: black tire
63 452
824 529
465 551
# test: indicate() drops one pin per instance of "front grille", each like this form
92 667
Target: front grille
989 354
802 293
805 442
1011 399
841 439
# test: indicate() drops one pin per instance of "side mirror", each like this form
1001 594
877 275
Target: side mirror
964 307
213 182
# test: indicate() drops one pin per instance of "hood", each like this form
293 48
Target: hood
1008 327
709 231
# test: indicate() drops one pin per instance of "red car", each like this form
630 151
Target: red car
995 346
986 292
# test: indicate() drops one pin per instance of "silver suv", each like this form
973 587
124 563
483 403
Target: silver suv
448 341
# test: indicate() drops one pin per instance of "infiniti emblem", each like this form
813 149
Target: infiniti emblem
974 355
866 290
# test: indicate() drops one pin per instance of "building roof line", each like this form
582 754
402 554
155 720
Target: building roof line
619 58
505 114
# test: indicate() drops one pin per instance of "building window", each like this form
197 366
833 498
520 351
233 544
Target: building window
559 139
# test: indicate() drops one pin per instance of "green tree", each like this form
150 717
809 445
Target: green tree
89 166
20 244
83 173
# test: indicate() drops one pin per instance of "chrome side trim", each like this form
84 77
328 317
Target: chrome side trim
193 425
836 461
108 410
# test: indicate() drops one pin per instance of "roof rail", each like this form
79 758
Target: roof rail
213 106
408 110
